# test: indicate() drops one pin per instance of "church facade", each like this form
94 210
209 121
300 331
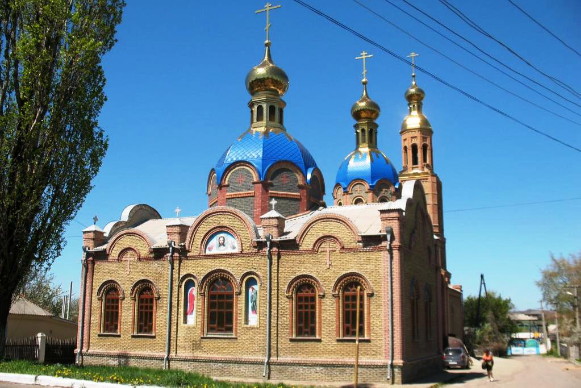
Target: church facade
271 283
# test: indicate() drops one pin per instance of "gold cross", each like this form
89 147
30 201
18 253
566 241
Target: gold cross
364 56
267 9
413 57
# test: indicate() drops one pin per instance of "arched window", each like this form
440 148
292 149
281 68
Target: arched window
189 302
111 303
405 156
425 153
306 311
280 116
358 201
372 136
220 307
363 136
259 113
414 154
145 311
350 308
271 113
251 310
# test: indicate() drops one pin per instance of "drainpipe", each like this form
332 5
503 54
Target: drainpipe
390 238
84 291
172 246
266 372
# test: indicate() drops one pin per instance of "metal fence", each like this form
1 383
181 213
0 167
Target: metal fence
22 349
60 351
51 350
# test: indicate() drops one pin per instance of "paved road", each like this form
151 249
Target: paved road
523 371
14 385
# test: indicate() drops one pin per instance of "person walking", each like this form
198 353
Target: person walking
488 363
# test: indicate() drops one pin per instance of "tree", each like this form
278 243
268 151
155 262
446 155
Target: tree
555 283
492 327
41 290
51 146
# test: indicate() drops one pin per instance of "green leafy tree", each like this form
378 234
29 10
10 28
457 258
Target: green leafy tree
490 325
51 146
556 281
41 290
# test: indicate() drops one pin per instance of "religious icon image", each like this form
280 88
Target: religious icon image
190 302
252 302
222 242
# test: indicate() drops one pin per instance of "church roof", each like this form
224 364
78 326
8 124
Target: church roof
369 165
263 149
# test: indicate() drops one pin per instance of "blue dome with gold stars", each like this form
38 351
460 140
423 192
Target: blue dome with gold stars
263 149
369 165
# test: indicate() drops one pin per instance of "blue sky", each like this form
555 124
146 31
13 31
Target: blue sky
177 100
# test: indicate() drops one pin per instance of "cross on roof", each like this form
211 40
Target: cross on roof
364 56
178 211
267 9
95 219
273 202
413 57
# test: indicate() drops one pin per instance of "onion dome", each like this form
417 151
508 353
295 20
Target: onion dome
369 165
262 151
415 119
266 76
365 108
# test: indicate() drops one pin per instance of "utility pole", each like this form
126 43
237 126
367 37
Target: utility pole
576 296
545 335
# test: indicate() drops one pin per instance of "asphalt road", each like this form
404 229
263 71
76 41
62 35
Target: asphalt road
522 371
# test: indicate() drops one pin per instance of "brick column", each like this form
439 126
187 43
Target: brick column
88 303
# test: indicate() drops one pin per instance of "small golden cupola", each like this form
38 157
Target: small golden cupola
266 76
414 96
366 175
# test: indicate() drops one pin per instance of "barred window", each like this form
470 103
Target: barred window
221 307
111 311
145 311
306 311
350 310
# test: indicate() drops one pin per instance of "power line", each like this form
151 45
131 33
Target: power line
543 27
490 56
512 205
437 78
465 67
481 30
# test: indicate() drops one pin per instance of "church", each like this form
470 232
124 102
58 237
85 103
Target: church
271 283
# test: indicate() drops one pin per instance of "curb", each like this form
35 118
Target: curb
51 381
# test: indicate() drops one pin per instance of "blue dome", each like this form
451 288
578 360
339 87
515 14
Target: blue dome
369 165
262 150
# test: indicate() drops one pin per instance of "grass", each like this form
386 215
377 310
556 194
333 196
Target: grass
125 375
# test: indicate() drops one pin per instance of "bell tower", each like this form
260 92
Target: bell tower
417 156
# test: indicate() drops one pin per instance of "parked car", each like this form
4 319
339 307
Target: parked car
456 358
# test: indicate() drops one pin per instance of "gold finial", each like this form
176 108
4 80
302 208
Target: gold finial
267 9
364 56
413 57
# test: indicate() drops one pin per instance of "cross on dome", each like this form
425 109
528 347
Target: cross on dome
267 8
178 211
95 219
413 57
364 56
273 203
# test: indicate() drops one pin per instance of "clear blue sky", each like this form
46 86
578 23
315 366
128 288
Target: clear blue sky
176 100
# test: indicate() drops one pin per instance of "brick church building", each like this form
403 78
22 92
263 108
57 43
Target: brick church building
271 283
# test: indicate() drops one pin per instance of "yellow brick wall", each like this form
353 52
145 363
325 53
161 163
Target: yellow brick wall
130 240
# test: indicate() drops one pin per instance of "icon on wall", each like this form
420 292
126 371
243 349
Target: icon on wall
222 242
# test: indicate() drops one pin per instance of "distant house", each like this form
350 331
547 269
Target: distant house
27 319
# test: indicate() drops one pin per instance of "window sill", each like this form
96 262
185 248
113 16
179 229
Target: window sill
350 339
109 335
305 339
142 335
219 336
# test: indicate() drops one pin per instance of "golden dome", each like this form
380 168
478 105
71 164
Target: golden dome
414 93
365 108
266 76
